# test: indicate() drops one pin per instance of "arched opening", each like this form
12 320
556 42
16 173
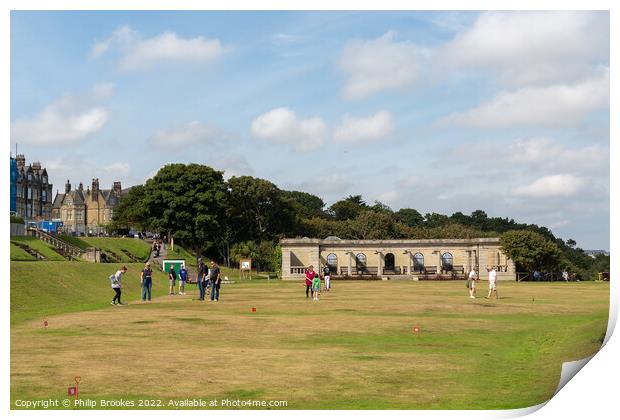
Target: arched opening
418 262
389 261
360 262
332 263
446 261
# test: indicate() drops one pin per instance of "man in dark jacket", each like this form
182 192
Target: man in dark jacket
202 278
214 276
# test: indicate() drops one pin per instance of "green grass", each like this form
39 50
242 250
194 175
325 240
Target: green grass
75 241
354 349
18 254
48 288
137 247
41 247
180 253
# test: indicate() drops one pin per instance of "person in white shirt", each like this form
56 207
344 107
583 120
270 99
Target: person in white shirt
492 283
115 280
471 283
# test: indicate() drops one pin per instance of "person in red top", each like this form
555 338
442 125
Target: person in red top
309 276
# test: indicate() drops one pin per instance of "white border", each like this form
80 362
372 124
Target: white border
592 394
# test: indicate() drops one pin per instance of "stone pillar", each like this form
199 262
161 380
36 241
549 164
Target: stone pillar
286 263
380 266
314 258
349 266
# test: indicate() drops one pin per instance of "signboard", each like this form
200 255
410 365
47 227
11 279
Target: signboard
177 264
245 267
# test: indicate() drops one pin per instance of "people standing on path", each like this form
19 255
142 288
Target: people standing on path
492 283
316 286
327 276
182 279
471 283
202 278
146 280
172 278
308 280
117 285
214 276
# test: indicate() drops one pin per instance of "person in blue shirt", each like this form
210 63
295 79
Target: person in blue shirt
182 279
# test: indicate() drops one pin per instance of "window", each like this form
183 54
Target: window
360 261
29 193
418 262
332 262
446 261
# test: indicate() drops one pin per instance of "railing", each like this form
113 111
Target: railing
298 270
68 249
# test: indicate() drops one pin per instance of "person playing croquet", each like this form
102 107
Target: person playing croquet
172 278
492 283
471 283
182 279
146 280
115 280
308 280
316 286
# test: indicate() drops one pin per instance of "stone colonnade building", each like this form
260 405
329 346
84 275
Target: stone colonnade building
395 258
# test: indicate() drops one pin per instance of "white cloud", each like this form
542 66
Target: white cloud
118 168
144 53
379 64
388 197
188 134
103 90
563 185
537 151
531 47
68 120
281 126
548 106
364 130
331 184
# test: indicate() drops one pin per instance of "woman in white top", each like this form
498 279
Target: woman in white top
115 279
471 283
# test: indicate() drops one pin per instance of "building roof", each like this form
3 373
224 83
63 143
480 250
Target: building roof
58 200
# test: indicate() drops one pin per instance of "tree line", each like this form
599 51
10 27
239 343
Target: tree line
246 216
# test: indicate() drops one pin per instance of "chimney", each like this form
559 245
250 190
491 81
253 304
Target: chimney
21 161
95 189
116 188
36 166
67 187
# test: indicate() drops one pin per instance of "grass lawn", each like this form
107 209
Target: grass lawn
137 247
18 254
353 349
180 253
38 245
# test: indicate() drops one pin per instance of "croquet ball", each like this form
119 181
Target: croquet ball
253 309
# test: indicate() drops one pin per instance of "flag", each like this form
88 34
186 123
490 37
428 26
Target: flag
72 391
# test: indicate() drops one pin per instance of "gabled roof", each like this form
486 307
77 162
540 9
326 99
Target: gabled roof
58 200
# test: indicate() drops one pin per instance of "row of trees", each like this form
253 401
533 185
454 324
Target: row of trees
246 216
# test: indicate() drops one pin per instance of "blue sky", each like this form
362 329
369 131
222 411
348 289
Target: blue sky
440 111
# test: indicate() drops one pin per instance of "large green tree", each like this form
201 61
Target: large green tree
349 208
305 204
258 209
530 250
130 213
187 201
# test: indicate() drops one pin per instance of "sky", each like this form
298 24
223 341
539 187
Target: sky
507 112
